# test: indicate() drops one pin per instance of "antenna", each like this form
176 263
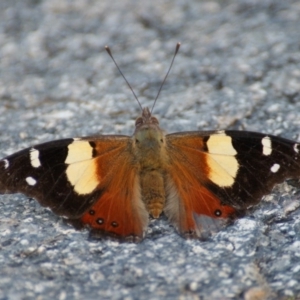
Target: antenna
135 96
162 84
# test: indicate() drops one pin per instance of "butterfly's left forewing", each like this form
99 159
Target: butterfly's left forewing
90 181
215 176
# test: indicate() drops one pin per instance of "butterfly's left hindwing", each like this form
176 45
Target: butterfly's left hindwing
92 182
216 176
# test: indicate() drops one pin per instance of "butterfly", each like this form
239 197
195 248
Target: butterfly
201 180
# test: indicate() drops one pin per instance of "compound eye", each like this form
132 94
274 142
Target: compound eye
154 120
139 122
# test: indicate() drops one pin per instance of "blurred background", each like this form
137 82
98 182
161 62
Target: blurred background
238 68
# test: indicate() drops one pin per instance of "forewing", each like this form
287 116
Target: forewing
88 181
215 176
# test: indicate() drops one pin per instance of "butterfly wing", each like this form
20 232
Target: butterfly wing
90 182
215 176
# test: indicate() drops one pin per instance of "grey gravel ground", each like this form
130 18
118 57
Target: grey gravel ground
238 68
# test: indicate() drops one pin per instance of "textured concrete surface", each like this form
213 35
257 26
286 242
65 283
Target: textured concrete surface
238 68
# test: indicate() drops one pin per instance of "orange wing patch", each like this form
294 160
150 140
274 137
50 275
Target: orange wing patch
119 212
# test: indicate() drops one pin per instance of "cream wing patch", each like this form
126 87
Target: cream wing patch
221 160
79 151
82 169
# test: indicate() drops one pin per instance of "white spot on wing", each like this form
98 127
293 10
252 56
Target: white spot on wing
223 166
30 180
34 157
275 168
296 148
6 163
267 145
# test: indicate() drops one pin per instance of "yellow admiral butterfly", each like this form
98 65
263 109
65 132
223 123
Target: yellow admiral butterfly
111 183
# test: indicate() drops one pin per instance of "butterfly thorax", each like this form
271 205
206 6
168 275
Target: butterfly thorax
149 147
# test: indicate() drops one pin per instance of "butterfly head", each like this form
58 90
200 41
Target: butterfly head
146 120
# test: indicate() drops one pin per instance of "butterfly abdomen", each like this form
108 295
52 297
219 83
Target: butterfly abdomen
153 192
